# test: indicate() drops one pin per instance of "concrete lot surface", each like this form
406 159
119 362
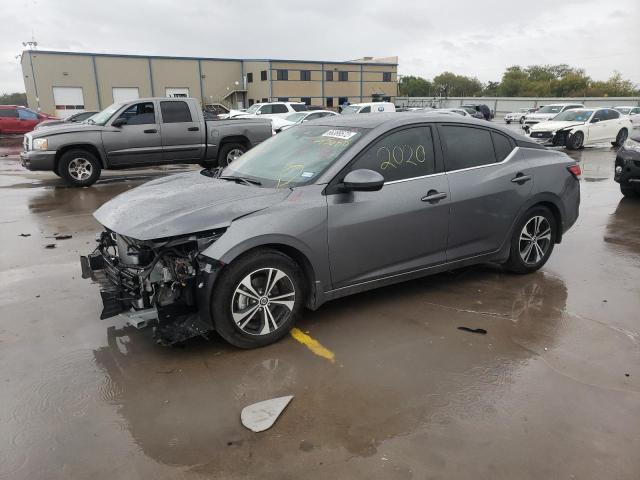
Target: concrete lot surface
552 391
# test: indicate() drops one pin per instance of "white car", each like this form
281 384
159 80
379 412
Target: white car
369 107
457 111
518 116
280 124
547 113
270 110
576 128
632 112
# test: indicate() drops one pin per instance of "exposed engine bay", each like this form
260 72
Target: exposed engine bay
154 281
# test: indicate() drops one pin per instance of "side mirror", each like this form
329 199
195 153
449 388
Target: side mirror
119 122
595 120
258 112
363 180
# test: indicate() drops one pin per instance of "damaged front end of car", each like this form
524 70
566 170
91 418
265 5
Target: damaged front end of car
161 282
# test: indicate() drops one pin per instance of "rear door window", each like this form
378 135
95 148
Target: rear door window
175 112
400 155
8 113
299 107
466 147
279 108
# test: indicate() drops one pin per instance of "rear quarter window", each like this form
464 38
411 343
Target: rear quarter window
502 145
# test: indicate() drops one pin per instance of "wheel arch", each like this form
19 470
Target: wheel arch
241 139
79 146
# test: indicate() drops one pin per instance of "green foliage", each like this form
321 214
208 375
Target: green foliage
532 81
13 99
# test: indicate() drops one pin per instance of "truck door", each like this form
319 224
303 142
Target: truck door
138 140
183 131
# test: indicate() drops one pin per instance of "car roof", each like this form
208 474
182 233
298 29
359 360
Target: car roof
562 104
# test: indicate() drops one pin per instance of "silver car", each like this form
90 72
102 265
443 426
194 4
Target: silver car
323 210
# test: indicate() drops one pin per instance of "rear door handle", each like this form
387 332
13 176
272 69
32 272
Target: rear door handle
520 179
151 130
193 129
434 196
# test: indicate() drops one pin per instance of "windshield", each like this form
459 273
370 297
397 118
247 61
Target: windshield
351 109
624 110
550 109
573 116
294 157
103 117
253 108
295 117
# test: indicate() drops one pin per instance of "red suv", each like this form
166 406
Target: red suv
16 119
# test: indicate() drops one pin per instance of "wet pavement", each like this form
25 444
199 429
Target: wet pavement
551 391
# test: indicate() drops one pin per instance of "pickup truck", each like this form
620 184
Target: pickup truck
142 132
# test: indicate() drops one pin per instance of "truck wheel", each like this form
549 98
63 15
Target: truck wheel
521 120
532 241
507 122
230 152
620 138
257 299
79 168
574 141
629 190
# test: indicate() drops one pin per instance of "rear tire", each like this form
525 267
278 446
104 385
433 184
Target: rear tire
79 168
575 141
507 122
620 138
229 153
522 120
532 240
268 310
629 191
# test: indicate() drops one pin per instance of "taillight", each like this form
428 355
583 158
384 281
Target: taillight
575 171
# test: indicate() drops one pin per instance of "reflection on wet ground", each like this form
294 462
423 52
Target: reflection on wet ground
551 391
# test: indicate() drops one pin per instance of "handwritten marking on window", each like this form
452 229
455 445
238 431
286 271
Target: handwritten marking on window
400 155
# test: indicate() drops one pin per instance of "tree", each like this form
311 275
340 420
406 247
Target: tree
451 85
411 86
13 98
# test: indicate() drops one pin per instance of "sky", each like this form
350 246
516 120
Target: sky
479 38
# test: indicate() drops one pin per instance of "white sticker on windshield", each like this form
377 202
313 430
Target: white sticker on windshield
344 134
306 174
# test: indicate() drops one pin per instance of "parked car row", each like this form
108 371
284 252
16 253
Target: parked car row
18 120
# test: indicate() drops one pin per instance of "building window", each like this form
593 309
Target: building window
282 74
306 100
329 76
251 101
263 75
283 99
305 75
329 101
343 76
343 100
249 77
386 76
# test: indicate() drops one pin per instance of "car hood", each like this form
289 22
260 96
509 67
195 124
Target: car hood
540 116
552 126
183 204
67 127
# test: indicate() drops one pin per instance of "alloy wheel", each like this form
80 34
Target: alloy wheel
234 155
80 169
535 239
263 301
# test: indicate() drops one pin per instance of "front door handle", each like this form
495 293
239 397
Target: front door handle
520 179
193 129
151 130
433 196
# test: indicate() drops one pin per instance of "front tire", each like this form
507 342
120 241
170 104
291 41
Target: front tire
522 120
629 191
79 168
575 141
258 298
620 138
507 122
532 241
229 153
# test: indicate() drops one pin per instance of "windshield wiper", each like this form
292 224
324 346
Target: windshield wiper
245 180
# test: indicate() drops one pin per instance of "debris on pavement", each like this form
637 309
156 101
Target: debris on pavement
61 236
481 331
50 245
260 416
24 235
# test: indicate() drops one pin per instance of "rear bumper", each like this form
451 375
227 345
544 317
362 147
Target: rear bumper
38 160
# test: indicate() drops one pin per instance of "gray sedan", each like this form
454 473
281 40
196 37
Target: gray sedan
330 208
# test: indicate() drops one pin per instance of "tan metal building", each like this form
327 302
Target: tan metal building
63 83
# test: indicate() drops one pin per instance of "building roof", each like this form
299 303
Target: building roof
365 60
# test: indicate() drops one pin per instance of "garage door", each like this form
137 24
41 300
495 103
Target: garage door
177 92
68 100
124 94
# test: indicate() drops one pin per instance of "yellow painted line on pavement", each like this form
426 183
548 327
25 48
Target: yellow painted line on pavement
313 345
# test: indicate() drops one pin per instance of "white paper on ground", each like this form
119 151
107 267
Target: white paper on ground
262 415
